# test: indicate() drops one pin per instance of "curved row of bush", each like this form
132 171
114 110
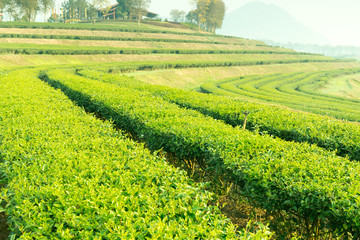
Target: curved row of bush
102 38
51 49
298 178
295 84
144 39
285 89
329 133
71 176
102 27
309 87
151 66
312 88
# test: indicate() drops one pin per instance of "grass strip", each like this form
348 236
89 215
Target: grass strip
326 132
101 38
52 49
285 90
71 176
102 27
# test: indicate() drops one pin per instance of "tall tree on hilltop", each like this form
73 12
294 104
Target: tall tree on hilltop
139 8
215 15
192 17
81 6
69 7
11 8
2 4
177 15
46 5
209 14
202 8
92 12
29 8
102 5
124 8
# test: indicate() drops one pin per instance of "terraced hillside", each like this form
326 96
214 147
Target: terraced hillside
295 90
102 136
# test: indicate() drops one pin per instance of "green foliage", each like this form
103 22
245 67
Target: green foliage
139 8
215 15
177 15
28 8
71 176
299 178
75 9
124 7
46 5
52 49
98 38
293 90
329 133
100 27
209 14
151 66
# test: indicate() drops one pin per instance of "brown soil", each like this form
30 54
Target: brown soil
239 211
4 230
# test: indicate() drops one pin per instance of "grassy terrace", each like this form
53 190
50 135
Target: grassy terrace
194 78
120 27
131 63
109 34
128 30
135 43
69 175
326 132
72 48
278 175
343 86
295 90
106 36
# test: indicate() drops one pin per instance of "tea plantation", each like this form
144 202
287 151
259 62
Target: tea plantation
111 131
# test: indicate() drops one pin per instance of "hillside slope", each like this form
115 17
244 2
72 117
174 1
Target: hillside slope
258 20
93 145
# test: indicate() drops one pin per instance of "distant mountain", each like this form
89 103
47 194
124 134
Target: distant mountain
262 21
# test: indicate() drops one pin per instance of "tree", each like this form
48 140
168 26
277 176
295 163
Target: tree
201 11
11 9
69 9
46 5
177 15
215 15
29 8
102 5
76 9
192 17
92 12
81 6
139 8
3 4
209 14
124 8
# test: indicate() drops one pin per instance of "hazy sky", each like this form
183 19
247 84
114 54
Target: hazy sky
337 20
